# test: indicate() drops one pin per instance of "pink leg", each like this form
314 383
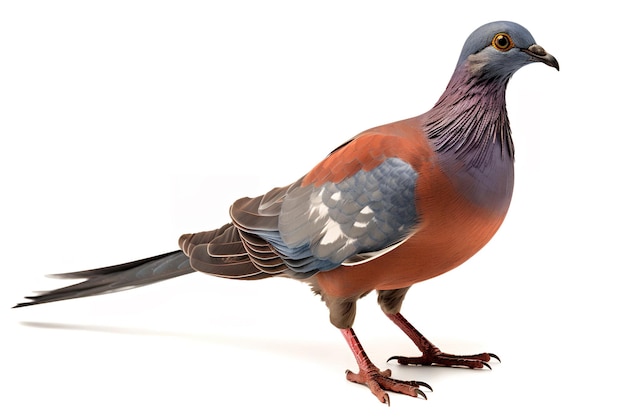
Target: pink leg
378 381
431 355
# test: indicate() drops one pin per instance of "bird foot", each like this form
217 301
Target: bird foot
380 381
431 355
439 358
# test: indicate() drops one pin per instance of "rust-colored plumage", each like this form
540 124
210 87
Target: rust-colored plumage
396 205
451 229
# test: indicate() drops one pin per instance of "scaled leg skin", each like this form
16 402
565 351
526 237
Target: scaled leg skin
431 355
378 381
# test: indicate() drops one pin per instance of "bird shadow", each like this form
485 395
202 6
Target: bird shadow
298 349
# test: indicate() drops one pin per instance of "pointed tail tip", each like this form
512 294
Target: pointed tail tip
24 304
31 302
115 278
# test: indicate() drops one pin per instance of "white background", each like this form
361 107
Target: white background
126 123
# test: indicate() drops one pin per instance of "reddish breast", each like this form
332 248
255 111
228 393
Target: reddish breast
451 228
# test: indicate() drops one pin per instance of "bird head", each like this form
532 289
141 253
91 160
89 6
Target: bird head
498 49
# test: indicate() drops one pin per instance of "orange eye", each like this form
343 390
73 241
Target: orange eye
502 42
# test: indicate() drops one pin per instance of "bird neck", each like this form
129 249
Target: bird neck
470 122
469 130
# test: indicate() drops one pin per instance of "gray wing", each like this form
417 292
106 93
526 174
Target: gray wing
313 228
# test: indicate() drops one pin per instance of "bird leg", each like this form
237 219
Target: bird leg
431 355
378 381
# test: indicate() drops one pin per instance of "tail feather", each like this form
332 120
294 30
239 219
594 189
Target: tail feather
116 278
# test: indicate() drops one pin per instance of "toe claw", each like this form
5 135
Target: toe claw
419 392
494 356
425 385
486 365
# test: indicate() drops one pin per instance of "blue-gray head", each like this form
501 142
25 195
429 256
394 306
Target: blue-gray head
474 101
498 49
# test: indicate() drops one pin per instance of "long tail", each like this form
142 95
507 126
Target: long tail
117 278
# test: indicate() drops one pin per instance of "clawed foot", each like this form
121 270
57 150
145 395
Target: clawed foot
443 359
431 355
380 381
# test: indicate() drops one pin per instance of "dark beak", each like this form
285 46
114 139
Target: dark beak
538 54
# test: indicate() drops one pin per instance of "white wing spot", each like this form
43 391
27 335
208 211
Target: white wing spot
318 208
331 233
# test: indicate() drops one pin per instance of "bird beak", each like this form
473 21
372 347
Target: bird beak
538 54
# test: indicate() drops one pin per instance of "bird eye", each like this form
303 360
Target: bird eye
502 42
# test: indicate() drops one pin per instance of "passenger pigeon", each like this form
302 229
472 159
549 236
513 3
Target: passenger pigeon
393 206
